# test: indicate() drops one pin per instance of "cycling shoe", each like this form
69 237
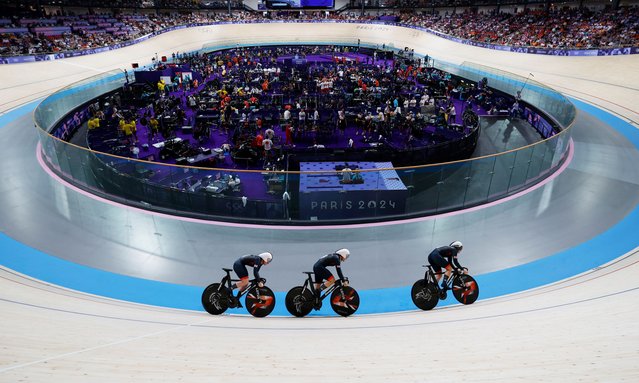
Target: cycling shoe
235 302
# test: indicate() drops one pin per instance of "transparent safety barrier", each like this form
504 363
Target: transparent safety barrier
317 196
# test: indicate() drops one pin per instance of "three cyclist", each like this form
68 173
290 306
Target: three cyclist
446 257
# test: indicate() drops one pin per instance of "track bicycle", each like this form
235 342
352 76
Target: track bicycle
426 292
300 300
218 297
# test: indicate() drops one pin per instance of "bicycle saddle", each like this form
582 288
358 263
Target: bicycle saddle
227 269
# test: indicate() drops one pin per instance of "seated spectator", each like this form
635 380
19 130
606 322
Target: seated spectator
93 123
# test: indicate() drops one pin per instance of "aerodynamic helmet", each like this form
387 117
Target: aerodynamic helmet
266 257
457 245
344 253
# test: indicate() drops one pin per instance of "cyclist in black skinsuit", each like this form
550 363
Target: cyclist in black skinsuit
322 273
256 262
445 257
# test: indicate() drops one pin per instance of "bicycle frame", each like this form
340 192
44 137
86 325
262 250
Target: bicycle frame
430 275
308 284
227 280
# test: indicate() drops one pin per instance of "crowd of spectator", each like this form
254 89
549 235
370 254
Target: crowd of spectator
90 31
564 28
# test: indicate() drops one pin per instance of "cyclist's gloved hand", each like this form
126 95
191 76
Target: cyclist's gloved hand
345 282
261 282
465 270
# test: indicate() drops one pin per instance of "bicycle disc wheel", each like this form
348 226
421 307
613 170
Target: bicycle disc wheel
425 295
299 302
260 301
345 300
465 289
215 299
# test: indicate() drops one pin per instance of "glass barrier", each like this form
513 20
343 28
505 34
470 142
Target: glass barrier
535 93
58 105
318 194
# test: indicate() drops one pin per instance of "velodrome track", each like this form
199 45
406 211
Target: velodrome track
574 236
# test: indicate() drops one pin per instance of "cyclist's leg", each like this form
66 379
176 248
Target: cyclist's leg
437 262
242 274
449 269
329 281
321 274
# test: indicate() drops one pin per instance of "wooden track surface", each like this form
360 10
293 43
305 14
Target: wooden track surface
581 329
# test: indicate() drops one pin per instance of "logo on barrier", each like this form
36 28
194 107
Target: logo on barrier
350 205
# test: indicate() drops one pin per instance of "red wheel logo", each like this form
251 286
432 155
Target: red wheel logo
260 302
344 299
469 290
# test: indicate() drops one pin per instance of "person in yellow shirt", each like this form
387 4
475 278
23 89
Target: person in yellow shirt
154 125
121 124
126 128
161 86
94 123
134 129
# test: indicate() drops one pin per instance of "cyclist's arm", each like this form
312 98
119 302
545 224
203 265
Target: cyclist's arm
456 263
339 271
256 271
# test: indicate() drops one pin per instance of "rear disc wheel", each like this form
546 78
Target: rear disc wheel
299 301
425 295
215 299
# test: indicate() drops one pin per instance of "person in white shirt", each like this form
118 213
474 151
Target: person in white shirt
267 144
341 120
452 114
287 115
347 175
269 133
